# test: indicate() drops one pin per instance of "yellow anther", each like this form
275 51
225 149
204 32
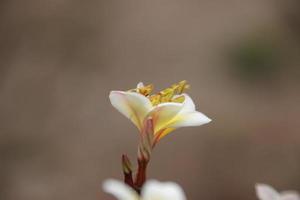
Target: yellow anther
167 95
155 99
179 99
182 85
146 90
175 88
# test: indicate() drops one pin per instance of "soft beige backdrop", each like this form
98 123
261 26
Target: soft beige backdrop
60 137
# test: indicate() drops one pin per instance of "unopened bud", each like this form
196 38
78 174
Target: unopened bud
144 152
126 164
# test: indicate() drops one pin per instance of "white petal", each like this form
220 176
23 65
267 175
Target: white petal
162 191
163 114
133 105
188 116
120 190
190 119
188 104
289 195
266 192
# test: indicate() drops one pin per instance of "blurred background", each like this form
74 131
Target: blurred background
60 137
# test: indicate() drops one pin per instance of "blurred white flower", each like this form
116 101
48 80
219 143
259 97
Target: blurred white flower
152 190
266 192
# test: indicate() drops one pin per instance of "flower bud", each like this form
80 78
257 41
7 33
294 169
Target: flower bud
126 164
127 171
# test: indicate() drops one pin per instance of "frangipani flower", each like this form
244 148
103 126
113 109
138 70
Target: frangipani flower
168 110
266 192
152 190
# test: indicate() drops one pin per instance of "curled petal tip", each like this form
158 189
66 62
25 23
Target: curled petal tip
207 120
202 118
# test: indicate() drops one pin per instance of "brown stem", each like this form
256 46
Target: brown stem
128 179
141 174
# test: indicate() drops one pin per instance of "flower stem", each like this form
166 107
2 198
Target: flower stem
141 174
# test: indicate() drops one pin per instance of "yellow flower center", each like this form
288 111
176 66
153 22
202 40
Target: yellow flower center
171 94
